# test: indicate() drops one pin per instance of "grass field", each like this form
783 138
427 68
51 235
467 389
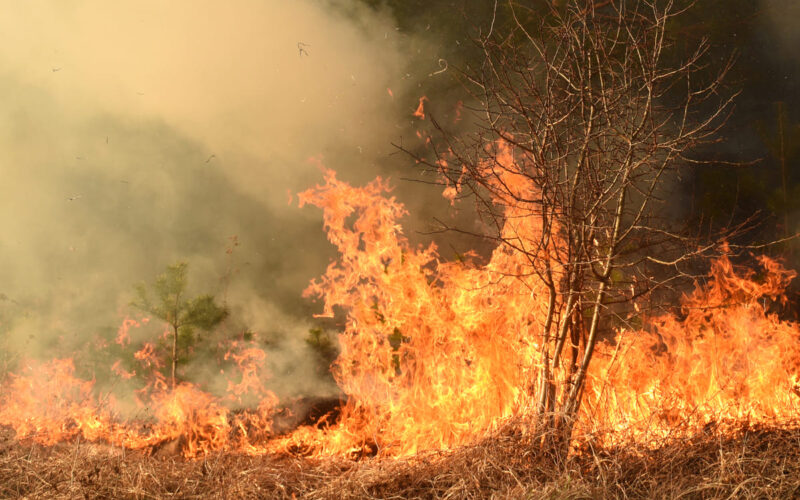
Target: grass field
756 462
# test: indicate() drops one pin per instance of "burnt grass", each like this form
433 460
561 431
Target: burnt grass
755 462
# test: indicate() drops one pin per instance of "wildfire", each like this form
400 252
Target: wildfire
435 354
725 359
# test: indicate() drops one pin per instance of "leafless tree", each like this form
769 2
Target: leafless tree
585 115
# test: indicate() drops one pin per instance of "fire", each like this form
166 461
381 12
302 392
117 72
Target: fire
436 353
433 353
46 402
420 111
725 359
123 333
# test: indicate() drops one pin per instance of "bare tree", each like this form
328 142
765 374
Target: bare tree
584 117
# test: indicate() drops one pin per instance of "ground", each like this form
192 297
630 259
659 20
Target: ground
756 462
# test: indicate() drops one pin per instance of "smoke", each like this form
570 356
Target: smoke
138 133
781 18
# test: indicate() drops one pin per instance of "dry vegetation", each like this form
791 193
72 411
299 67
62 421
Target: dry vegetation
753 463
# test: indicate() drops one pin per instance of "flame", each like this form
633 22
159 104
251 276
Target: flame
46 402
123 333
420 112
724 359
436 353
122 372
49 403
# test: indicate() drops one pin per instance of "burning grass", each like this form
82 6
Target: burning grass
439 364
754 462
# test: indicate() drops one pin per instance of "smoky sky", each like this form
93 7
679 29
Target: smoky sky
135 134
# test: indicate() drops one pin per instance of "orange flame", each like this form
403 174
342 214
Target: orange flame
46 402
420 112
725 359
435 354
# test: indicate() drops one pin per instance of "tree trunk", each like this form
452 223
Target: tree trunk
174 352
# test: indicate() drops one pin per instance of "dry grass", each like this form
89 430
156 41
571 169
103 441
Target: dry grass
756 463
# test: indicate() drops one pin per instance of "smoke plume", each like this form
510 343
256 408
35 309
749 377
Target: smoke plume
138 133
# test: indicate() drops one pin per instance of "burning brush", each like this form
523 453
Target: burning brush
437 354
